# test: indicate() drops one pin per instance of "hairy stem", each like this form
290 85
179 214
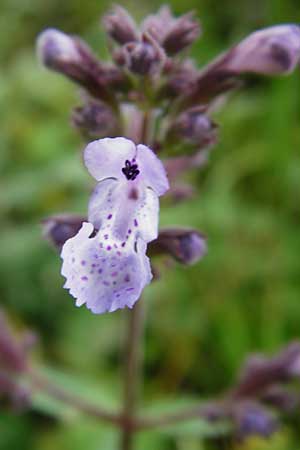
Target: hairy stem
132 375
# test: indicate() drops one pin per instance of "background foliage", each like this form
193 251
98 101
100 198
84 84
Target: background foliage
202 321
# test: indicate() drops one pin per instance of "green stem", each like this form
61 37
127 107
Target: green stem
132 375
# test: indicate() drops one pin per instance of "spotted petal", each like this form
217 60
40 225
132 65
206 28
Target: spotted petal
105 158
101 273
124 209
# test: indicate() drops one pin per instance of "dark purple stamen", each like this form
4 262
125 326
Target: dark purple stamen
130 170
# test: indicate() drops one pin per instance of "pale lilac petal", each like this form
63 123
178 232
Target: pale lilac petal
101 273
152 170
124 209
105 158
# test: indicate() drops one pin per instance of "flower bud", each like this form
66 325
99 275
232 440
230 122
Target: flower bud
15 395
12 354
157 24
173 34
180 78
58 229
271 51
185 245
120 26
252 419
71 57
196 127
56 49
260 372
142 58
181 34
94 120
281 398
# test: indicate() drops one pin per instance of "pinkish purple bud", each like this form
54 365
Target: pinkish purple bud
12 354
15 396
71 57
173 34
180 78
58 229
252 419
157 24
56 48
142 58
196 127
270 51
94 120
177 166
120 26
181 34
260 372
185 245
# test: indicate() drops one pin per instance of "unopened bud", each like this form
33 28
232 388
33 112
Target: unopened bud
12 354
58 229
271 51
142 58
185 245
196 127
120 26
94 120
181 79
157 24
181 34
252 419
56 48
71 57
173 34
15 396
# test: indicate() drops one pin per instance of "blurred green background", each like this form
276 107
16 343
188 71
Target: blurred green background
202 321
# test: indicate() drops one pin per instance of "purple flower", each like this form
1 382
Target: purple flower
108 270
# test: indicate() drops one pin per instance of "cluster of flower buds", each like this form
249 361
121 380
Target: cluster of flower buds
265 390
149 93
13 363
171 85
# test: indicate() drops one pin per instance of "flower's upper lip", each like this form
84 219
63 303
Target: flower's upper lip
105 158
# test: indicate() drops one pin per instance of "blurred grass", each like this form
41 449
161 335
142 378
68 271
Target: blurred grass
203 320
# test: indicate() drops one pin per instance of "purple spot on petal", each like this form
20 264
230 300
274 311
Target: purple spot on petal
130 289
84 278
109 216
127 278
108 248
115 245
123 244
106 283
100 271
83 262
129 231
106 236
119 253
114 274
135 223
